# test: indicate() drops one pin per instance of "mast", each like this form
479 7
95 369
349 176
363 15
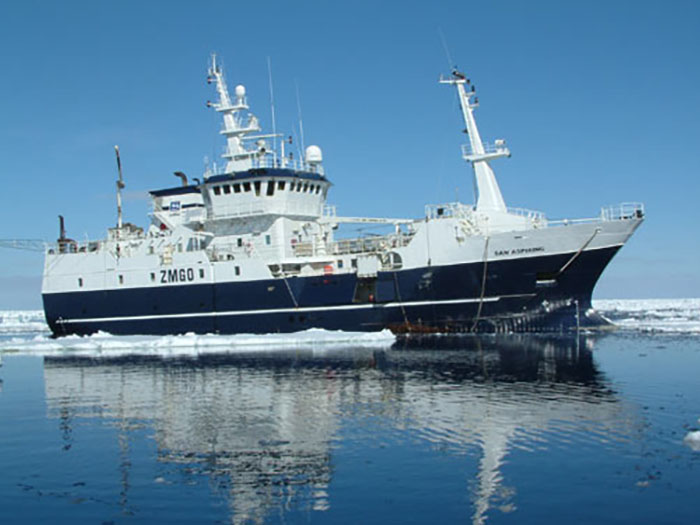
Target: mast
489 196
120 187
236 127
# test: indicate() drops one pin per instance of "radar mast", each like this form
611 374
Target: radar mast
489 196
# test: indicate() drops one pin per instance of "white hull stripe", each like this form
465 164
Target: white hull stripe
284 310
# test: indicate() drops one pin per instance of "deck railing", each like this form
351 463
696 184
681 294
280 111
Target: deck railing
623 211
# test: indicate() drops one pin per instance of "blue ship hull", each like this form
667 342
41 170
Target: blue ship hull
430 299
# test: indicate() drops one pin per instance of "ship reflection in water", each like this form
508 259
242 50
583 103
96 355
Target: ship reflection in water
264 428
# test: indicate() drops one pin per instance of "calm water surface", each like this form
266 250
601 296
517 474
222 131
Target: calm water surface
466 429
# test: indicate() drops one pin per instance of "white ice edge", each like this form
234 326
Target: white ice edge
103 344
665 316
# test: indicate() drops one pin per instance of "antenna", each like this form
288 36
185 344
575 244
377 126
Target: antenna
450 63
301 125
120 187
272 107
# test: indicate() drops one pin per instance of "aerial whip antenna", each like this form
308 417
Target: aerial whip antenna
120 187
301 125
272 107
450 63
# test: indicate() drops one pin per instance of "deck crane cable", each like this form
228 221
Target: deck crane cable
31 245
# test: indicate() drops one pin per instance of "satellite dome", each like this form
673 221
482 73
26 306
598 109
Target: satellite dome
240 91
314 155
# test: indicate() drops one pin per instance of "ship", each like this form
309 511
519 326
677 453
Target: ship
254 247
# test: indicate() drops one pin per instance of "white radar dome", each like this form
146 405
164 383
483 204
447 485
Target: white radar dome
240 91
314 155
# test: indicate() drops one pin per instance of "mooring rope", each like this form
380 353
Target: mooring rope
483 284
575 256
398 295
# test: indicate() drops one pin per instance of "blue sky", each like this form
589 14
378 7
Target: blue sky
598 101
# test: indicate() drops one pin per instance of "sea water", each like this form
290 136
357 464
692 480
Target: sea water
334 427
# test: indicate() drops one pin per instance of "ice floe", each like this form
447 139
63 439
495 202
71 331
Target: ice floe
681 316
22 321
103 344
692 439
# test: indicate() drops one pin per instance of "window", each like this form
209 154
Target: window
201 273
353 263
121 279
340 263
217 190
298 186
153 277
246 186
80 282
238 270
227 189
257 188
239 242
271 188
268 240
306 188
151 250
236 188
280 185
318 189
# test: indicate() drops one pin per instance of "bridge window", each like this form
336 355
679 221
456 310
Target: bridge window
280 185
227 189
257 188
271 188
217 190
236 188
298 186
318 189
306 188
246 186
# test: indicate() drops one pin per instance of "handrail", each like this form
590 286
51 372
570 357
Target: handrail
622 211
489 148
273 161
